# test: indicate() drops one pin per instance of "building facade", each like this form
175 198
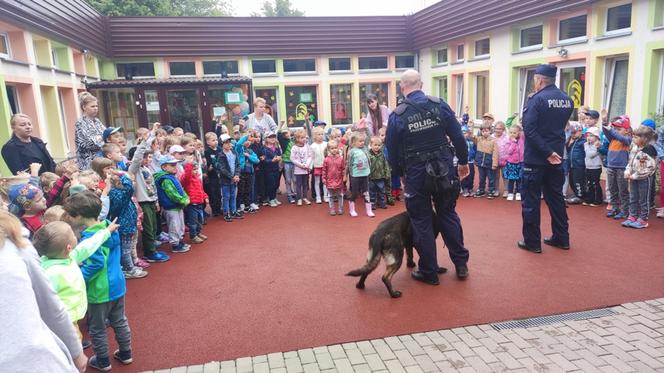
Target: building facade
186 71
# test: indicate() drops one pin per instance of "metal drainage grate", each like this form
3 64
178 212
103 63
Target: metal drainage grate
548 320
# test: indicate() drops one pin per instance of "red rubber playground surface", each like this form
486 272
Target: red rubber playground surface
275 282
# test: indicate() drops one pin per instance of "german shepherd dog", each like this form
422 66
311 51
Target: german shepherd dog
388 241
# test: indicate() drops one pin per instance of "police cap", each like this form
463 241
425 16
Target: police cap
546 70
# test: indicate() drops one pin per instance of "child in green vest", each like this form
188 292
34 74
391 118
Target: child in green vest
61 256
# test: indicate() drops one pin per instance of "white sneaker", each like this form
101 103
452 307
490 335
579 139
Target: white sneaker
326 199
242 207
518 196
136 272
660 212
254 206
277 201
273 203
506 194
510 197
306 201
318 200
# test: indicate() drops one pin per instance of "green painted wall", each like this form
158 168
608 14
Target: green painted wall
654 54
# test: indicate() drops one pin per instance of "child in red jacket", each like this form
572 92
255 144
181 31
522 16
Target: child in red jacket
194 212
333 177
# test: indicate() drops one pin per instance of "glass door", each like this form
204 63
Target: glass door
118 108
572 80
152 106
229 99
184 110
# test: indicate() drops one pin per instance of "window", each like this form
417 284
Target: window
339 64
619 18
404 62
400 96
300 65
572 81
12 97
135 70
442 56
4 46
530 37
378 89
63 120
572 28
182 68
459 56
481 95
659 109
218 67
442 88
301 103
615 93
341 99
526 86
271 105
55 57
373 63
264 66
459 93
482 48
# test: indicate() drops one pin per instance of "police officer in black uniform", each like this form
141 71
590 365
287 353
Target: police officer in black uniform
419 150
544 119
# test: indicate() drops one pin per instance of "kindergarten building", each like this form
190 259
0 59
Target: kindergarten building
185 71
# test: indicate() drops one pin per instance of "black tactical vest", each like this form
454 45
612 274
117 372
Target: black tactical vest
425 137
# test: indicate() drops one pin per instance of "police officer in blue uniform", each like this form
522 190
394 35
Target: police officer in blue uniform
419 150
544 119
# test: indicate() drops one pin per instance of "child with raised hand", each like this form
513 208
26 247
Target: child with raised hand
146 195
172 199
513 162
467 184
618 133
302 158
318 147
486 160
104 280
576 156
27 202
334 169
358 170
593 190
380 171
641 165
271 167
229 169
61 256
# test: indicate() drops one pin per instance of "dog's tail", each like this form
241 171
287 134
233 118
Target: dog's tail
372 263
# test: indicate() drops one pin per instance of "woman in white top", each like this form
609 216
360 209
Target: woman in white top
259 120
377 116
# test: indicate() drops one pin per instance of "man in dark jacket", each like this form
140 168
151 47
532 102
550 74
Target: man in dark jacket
22 149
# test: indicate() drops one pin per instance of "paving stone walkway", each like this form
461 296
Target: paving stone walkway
631 340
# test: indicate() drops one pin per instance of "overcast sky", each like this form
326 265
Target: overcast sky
341 7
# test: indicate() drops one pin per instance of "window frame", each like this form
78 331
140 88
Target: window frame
534 46
405 68
350 65
620 30
477 110
523 84
136 76
237 63
304 72
8 55
439 81
463 53
659 108
576 38
181 75
609 79
447 56
481 56
459 92
361 70
348 112
17 99
270 73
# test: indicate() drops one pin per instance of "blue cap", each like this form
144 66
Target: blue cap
546 70
167 159
319 123
649 123
592 113
20 196
109 131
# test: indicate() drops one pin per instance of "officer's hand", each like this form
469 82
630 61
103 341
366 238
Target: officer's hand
554 158
463 171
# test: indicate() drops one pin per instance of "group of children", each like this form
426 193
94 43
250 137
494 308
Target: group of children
628 155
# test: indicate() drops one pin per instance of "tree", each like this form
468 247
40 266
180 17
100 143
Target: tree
162 7
278 8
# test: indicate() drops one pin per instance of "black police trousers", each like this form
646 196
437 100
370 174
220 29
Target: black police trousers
547 180
447 222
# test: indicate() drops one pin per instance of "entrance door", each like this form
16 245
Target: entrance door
184 109
572 80
270 97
